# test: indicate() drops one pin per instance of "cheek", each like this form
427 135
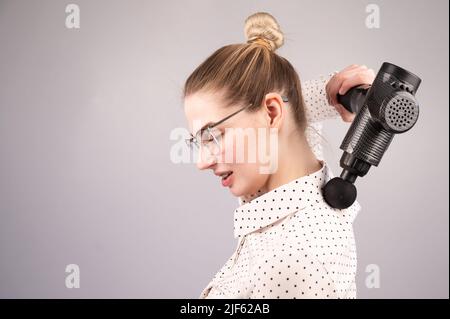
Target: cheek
231 148
251 147
248 178
242 146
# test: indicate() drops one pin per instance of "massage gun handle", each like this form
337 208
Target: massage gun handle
354 98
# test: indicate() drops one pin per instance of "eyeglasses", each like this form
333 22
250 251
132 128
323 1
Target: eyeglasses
210 136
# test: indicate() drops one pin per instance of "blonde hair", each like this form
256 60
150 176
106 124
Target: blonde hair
246 72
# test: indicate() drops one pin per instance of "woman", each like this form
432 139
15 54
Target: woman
291 243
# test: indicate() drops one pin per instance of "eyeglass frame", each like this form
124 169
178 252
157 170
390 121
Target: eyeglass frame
193 139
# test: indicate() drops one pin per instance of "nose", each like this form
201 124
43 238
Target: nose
205 160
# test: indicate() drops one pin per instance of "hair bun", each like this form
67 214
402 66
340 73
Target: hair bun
263 25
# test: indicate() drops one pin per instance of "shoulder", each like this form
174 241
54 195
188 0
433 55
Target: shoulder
309 254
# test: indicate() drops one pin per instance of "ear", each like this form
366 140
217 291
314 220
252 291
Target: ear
273 108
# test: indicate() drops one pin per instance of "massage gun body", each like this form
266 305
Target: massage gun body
385 108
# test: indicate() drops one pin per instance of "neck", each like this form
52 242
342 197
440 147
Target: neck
294 161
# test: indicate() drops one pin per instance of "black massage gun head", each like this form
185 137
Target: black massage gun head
339 193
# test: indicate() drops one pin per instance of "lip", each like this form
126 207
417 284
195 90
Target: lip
221 173
227 181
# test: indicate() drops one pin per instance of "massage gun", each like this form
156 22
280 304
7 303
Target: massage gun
383 109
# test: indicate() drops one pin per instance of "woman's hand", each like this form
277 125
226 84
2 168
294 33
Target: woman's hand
341 82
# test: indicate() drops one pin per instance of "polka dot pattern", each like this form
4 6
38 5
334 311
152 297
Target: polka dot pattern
276 204
316 102
291 245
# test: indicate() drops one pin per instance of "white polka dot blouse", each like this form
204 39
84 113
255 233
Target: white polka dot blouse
291 244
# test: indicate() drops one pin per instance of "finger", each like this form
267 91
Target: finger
346 115
349 117
339 80
335 84
355 80
344 75
350 67
340 109
352 71
331 89
334 87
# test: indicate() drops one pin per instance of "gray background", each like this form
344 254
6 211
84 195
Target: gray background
85 119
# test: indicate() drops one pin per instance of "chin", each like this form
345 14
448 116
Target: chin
235 191
238 190
247 185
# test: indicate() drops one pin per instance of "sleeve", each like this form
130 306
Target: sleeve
316 103
317 109
291 276
314 137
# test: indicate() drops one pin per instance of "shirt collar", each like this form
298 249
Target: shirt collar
266 208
